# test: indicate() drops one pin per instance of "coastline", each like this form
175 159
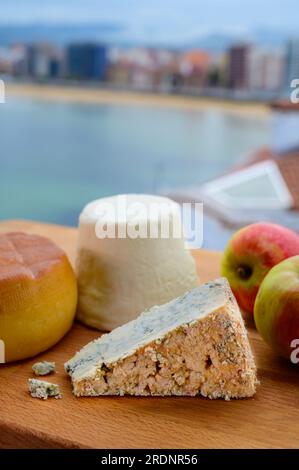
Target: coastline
88 95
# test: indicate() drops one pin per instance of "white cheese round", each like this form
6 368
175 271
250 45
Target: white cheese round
131 256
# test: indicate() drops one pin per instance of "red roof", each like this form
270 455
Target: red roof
197 58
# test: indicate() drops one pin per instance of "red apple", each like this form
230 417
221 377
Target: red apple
251 253
276 309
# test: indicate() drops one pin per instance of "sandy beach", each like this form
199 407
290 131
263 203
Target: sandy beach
114 97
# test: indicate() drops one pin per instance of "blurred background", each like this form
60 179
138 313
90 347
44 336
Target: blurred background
188 99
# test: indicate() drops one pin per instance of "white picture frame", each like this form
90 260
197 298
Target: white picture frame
215 189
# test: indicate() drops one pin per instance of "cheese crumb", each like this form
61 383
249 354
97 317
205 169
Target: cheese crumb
43 368
42 389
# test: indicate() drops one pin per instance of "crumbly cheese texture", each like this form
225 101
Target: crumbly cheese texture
120 277
43 368
43 390
195 344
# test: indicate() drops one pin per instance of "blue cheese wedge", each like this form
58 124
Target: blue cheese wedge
44 390
195 344
43 368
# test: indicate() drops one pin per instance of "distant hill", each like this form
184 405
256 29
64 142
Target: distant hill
118 34
220 42
212 42
59 34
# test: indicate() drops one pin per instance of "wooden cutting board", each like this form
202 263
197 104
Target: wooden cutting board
270 419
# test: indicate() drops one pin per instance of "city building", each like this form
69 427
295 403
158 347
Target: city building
238 66
19 60
5 61
43 61
86 61
265 69
194 67
143 65
217 74
141 68
274 74
292 62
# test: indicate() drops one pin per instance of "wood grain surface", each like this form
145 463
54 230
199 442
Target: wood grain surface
270 419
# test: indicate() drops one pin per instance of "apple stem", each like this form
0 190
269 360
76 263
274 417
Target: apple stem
244 272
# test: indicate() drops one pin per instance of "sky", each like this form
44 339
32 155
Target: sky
164 17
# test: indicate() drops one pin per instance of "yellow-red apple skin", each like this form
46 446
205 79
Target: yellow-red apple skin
276 309
254 250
